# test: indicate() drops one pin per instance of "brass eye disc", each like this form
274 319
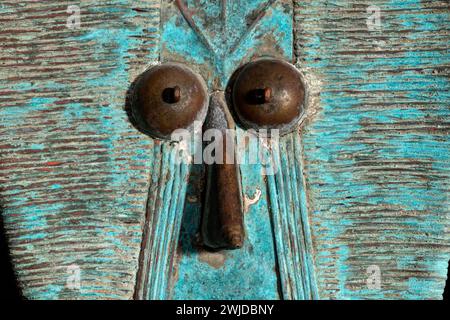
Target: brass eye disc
169 97
269 94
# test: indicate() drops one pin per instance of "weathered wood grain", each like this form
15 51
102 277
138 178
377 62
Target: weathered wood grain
367 176
74 172
377 154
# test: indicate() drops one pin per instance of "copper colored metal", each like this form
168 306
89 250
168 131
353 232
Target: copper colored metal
169 97
223 215
267 95
259 96
279 105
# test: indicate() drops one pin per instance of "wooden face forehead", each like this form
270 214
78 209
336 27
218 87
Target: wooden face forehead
217 37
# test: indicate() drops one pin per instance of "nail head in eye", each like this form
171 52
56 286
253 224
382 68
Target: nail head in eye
168 97
259 96
171 95
269 93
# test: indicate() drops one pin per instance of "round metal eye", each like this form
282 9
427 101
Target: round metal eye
269 94
169 97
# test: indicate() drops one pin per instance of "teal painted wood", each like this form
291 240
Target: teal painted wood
199 38
197 275
161 231
289 211
74 173
367 174
200 35
248 273
215 37
377 152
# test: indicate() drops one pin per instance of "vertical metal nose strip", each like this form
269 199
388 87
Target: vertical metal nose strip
222 222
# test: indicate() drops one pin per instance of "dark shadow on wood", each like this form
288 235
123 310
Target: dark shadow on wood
129 103
189 240
10 289
446 294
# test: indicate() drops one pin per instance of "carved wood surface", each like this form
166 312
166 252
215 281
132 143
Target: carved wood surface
251 272
377 154
364 183
74 172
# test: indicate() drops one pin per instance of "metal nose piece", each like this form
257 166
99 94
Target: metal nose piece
222 221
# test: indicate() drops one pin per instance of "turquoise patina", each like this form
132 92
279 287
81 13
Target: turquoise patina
363 183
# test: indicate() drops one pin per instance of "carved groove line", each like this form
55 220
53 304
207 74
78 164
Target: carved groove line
202 36
291 223
164 213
